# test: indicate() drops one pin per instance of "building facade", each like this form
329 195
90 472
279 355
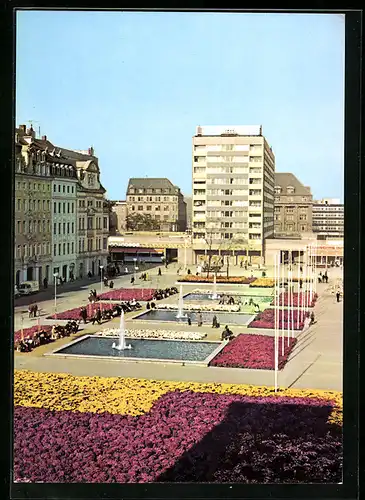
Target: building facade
159 199
328 218
189 212
233 191
118 217
32 198
293 206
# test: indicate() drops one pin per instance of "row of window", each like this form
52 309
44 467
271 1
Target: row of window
149 191
90 203
157 208
62 206
43 186
25 205
65 226
37 249
90 223
151 198
33 226
64 249
63 188
90 245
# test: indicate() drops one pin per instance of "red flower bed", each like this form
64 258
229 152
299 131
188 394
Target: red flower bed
29 332
297 299
253 351
74 314
125 294
266 319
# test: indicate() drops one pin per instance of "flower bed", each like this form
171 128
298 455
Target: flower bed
266 319
29 332
245 292
115 430
74 314
238 280
201 307
297 298
263 283
154 334
125 294
253 351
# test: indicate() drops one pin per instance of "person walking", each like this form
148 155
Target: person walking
300 283
189 321
200 319
83 314
45 283
338 295
35 309
159 271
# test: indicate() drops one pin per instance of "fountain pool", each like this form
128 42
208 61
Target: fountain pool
243 298
224 318
143 349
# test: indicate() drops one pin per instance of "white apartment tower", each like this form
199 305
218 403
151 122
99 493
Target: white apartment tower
233 191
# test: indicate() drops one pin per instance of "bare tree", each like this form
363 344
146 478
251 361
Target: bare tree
231 245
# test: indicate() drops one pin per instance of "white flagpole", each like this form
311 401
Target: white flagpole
315 268
292 296
298 289
275 323
282 304
288 298
304 284
311 276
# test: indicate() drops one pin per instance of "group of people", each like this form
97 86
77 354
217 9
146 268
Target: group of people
323 278
93 297
163 293
226 300
107 283
110 313
43 337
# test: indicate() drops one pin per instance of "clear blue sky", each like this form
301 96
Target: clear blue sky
135 85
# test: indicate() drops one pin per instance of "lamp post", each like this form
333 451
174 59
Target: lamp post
185 244
55 275
101 279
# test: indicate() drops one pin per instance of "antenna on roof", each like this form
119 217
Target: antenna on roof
31 124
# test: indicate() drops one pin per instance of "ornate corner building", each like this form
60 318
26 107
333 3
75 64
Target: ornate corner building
61 215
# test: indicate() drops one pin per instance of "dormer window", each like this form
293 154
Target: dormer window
277 190
290 190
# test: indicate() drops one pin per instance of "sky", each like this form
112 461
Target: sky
135 85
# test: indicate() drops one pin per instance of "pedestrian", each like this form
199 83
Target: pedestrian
214 323
312 318
132 280
159 271
83 314
200 319
35 309
338 294
30 310
189 321
301 269
300 283
45 283
241 264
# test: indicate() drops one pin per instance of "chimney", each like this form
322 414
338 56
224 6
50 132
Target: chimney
44 137
91 151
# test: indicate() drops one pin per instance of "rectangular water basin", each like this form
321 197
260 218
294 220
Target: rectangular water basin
224 318
200 352
237 298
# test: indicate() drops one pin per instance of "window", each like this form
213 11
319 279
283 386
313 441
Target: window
72 189
72 208
166 207
140 207
166 217
64 208
64 189
105 243
149 208
158 208
59 228
54 250
68 248
64 249
48 205
72 247
89 222
133 207
157 198
68 208
59 249
44 205
54 188
68 189
73 227
54 207
290 190
157 217
59 207
105 224
79 246
64 228
59 188
54 228
19 226
68 228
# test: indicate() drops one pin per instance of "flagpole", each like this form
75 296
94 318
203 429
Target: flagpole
282 304
292 297
276 323
311 276
298 289
288 299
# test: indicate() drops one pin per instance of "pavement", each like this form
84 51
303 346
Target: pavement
315 363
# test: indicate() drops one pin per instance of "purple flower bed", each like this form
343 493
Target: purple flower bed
29 332
266 319
253 351
297 298
186 436
124 294
74 314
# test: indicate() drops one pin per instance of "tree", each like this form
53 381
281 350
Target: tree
231 245
141 222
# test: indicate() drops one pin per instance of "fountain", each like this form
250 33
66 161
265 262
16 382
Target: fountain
180 313
215 295
121 346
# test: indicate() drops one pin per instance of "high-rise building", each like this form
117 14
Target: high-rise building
159 200
293 206
233 191
328 218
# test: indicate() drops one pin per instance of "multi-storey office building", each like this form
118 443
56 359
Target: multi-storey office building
293 206
160 199
32 198
328 218
233 191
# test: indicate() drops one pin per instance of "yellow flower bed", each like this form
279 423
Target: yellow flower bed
263 282
129 396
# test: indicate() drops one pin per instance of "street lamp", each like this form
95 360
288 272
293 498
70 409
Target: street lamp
55 275
101 279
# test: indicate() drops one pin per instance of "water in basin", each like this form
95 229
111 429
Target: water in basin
224 318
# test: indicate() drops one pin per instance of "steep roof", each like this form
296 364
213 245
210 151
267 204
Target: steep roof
150 183
286 179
